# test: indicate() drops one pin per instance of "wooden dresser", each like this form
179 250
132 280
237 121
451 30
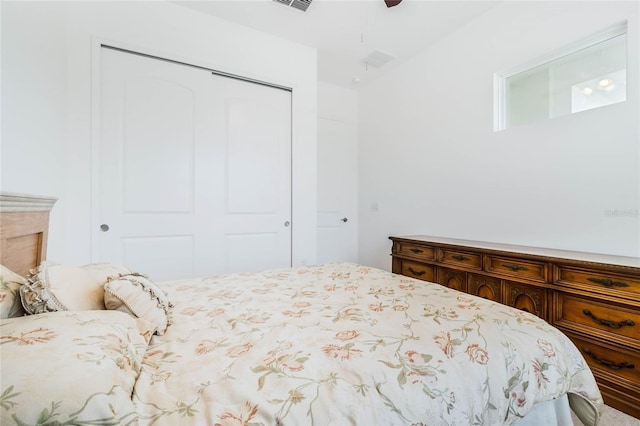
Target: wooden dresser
594 299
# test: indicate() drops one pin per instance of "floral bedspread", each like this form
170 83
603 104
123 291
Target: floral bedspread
345 344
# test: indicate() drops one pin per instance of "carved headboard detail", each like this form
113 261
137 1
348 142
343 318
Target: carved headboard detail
24 228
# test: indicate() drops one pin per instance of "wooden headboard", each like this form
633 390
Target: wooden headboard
24 228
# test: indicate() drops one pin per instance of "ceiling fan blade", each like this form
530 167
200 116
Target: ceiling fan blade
391 3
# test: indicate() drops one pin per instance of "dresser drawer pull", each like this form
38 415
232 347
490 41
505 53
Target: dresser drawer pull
608 283
608 323
415 250
608 363
416 273
515 267
460 257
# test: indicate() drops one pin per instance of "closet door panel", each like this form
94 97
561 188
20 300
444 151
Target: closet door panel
158 116
253 133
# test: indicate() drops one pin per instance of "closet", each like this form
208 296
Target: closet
194 171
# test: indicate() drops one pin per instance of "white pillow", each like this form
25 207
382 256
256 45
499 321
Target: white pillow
54 287
10 283
137 295
71 367
103 271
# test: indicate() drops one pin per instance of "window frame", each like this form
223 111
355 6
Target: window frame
500 78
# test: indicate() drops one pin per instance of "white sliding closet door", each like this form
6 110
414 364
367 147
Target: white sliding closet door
252 230
195 170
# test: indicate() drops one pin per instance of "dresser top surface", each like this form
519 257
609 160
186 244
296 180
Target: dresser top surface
627 261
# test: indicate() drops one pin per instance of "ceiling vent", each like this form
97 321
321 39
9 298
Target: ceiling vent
378 58
296 4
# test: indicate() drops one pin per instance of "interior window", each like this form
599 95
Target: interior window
589 74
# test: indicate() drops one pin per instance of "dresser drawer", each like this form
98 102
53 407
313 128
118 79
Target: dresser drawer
460 258
526 297
612 322
619 365
485 287
415 250
418 270
599 281
452 278
524 269
625 399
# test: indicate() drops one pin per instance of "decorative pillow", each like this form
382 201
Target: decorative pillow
54 287
137 295
10 283
71 367
103 271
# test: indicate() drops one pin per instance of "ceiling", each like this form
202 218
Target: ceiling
347 32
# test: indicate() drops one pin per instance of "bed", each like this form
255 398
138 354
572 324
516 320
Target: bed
333 344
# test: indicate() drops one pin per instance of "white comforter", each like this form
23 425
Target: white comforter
346 344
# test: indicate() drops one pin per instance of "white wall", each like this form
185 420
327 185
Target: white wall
46 99
430 159
337 102
32 159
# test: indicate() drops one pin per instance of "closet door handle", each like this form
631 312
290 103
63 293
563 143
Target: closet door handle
104 227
